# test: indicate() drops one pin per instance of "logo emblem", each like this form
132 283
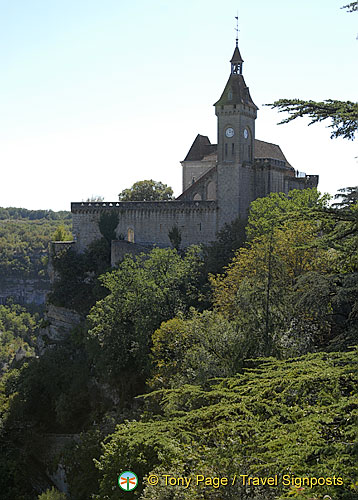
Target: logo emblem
127 481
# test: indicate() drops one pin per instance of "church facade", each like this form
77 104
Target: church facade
219 182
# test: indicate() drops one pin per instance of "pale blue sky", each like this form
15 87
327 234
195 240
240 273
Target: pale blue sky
95 95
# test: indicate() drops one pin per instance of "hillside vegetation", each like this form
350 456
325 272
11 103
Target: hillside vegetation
191 366
24 238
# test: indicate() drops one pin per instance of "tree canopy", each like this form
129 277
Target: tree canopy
343 114
351 7
212 405
294 417
147 190
143 292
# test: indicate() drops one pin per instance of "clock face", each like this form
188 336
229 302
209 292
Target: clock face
229 132
246 134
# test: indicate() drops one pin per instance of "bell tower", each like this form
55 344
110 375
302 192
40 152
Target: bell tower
236 114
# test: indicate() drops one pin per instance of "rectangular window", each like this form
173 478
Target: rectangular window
232 149
225 149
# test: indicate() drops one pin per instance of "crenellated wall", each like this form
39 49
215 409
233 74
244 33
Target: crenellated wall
149 222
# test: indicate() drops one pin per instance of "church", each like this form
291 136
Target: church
219 182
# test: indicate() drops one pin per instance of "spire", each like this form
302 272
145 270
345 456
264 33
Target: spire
236 60
237 29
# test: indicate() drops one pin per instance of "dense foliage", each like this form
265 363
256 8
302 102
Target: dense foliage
24 244
18 330
13 213
197 346
147 190
295 417
52 494
343 114
143 292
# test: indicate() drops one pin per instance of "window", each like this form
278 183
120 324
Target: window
130 235
232 149
211 191
225 149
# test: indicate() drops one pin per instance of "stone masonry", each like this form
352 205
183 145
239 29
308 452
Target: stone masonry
219 182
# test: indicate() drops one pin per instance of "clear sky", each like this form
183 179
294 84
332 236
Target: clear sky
98 94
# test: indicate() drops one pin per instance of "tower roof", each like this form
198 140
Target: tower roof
237 89
236 57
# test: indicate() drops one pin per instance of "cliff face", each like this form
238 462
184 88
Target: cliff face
23 290
59 322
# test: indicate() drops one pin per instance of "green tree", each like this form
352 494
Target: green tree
219 253
52 494
174 235
295 417
276 209
147 190
193 350
24 245
143 292
108 223
348 196
351 7
259 288
62 234
342 114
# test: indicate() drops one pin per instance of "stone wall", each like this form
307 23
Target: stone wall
193 170
199 190
120 248
149 221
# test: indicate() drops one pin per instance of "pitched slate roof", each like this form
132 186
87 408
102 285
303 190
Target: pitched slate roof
236 57
202 147
268 150
240 92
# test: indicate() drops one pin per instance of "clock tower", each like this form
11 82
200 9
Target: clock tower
236 113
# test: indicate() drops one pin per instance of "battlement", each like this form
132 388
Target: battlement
147 222
119 206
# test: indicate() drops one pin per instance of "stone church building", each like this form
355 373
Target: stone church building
219 182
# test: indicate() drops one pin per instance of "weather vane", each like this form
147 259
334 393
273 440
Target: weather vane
237 29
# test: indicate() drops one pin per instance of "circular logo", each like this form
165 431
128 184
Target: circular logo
127 481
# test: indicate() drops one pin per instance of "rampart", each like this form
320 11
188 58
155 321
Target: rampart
147 222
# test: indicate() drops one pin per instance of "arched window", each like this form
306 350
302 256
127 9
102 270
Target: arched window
130 235
197 197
